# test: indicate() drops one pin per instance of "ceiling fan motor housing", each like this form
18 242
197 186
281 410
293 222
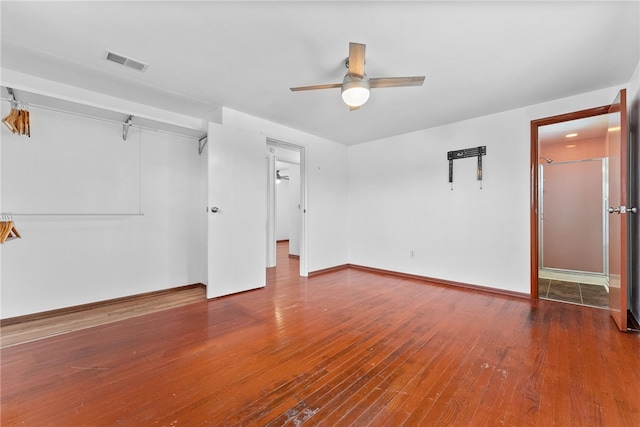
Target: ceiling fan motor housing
355 90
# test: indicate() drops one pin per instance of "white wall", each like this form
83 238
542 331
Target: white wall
326 177
63 261
400 199
282 210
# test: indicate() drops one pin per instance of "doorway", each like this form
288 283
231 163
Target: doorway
569 224
286 201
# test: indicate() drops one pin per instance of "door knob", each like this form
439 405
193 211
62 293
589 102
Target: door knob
215 210
613 210
633 210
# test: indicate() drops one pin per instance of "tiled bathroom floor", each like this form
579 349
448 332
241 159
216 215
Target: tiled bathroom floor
577 293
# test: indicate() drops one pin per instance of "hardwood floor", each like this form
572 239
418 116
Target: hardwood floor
48 326
345 348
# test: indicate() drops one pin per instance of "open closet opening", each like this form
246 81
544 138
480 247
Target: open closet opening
106 205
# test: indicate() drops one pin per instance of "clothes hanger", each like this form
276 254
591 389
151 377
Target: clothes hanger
13 233
9 232
8 229
10 119
18 120
27 117
22 120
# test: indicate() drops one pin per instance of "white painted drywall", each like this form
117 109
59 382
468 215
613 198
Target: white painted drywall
63 261
400 199
282 210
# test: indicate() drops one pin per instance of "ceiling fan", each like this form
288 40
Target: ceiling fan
356 85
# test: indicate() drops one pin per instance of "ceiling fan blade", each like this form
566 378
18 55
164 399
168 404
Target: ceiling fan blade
315 87
356 59
396 81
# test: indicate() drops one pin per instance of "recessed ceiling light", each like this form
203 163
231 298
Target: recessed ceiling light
570 135
127 62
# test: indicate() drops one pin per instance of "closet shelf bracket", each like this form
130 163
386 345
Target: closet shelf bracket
202 142
125 127
12 96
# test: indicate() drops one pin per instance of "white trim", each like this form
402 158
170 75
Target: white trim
271 208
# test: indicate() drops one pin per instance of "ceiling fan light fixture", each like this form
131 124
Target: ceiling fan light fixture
355 90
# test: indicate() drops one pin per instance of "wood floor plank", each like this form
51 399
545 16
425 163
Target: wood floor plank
483 365
513 370
344 348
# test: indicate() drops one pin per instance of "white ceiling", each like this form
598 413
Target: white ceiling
478 57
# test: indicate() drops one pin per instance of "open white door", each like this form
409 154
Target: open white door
617 153
237 211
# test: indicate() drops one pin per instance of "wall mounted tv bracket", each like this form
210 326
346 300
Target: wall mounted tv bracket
467 152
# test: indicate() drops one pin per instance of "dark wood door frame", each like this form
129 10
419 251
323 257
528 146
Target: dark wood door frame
533 169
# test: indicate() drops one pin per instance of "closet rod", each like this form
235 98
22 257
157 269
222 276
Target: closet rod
86 116
77 214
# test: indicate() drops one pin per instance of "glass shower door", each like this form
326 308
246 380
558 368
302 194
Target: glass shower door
572 219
